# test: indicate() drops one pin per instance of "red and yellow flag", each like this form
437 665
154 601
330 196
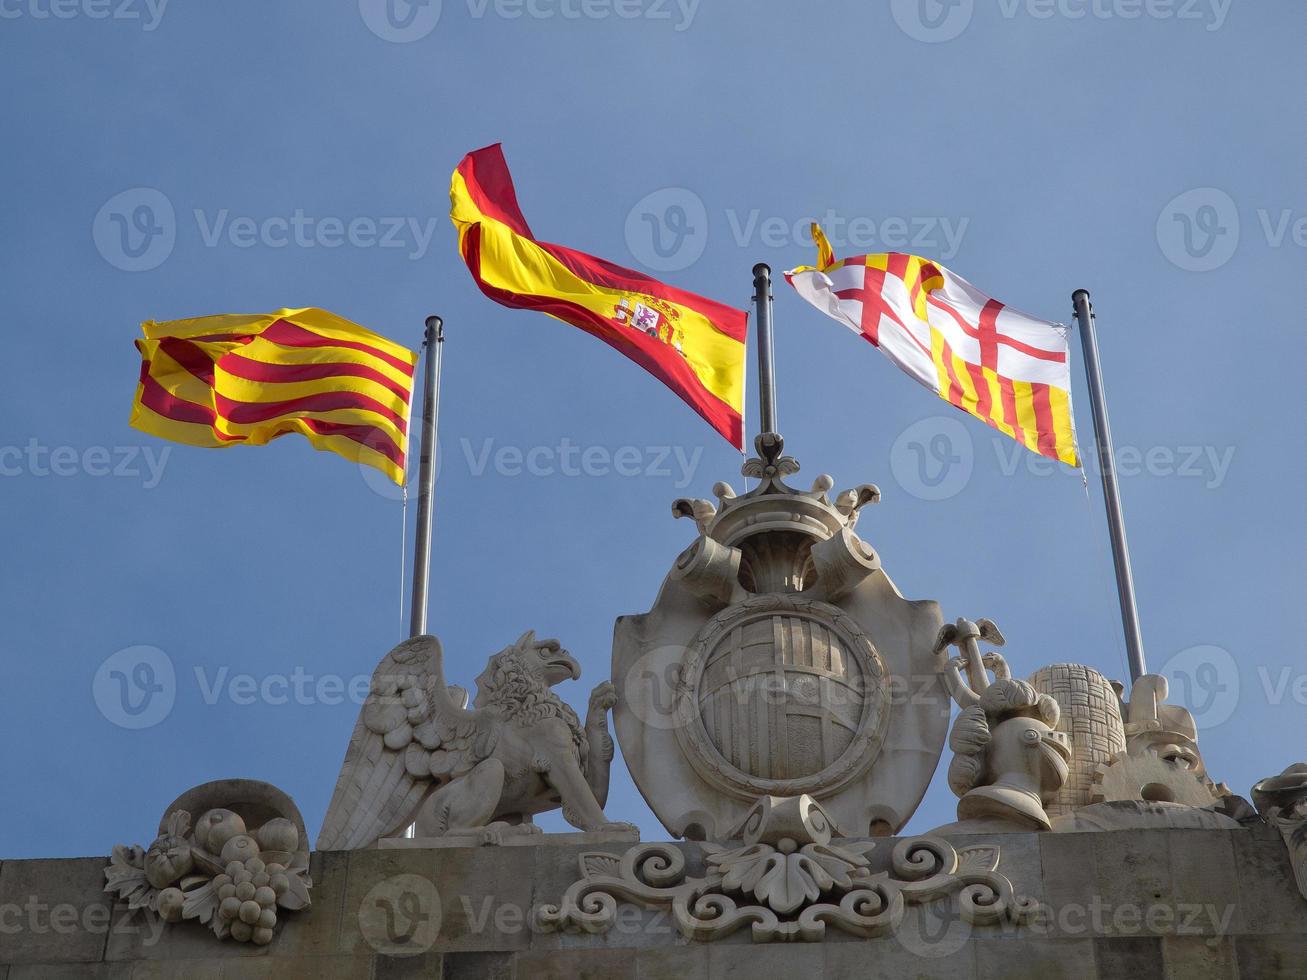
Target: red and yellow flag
1007 368
220 381
693 345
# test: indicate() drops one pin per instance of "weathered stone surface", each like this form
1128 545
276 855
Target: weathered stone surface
476 966
561 964
1272 957
1037 959
477 930
71 971
1266 893
1198 958
55 911
1128 958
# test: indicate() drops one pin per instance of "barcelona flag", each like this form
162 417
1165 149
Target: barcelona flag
1007 368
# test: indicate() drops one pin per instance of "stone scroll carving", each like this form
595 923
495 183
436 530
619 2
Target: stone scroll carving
1282 801
483 771
234 868
787 880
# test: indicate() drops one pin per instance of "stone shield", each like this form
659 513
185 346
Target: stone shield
780 660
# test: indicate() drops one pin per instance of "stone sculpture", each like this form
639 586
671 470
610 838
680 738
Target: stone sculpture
1161 762
787 879
1009 759
770 663
1091 720
1282 801
245 857
485 771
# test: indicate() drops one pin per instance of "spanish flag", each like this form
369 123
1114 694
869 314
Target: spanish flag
219 381
693 345
1007 368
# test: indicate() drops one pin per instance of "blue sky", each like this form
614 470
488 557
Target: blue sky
156 154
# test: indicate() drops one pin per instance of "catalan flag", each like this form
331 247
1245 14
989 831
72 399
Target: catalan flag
1010 370
219 381
693 345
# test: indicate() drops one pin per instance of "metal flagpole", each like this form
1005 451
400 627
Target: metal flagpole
1125 583
762 299
433 344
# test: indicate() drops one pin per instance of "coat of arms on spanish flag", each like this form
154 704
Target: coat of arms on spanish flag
1010 370
220 381
693 345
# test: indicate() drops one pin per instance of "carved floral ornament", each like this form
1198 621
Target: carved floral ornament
787 880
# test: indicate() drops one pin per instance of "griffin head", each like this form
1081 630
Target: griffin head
545 661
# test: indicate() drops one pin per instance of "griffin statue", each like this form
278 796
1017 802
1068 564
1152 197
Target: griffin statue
420 755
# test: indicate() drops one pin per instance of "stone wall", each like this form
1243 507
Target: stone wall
1180 904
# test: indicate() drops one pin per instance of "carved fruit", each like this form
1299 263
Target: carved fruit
249 912
242 847
167 860
170 904
279 834
216 827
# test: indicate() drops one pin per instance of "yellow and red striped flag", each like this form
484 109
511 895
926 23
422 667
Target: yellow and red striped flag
693 345
1010 370
231 380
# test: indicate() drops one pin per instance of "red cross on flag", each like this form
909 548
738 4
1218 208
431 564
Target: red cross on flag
1010 370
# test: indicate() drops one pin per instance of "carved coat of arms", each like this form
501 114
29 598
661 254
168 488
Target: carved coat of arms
779 660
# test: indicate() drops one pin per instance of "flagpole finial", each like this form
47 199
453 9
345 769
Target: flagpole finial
435 328
1076 297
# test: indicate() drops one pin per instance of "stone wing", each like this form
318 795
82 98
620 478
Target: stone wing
413 735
